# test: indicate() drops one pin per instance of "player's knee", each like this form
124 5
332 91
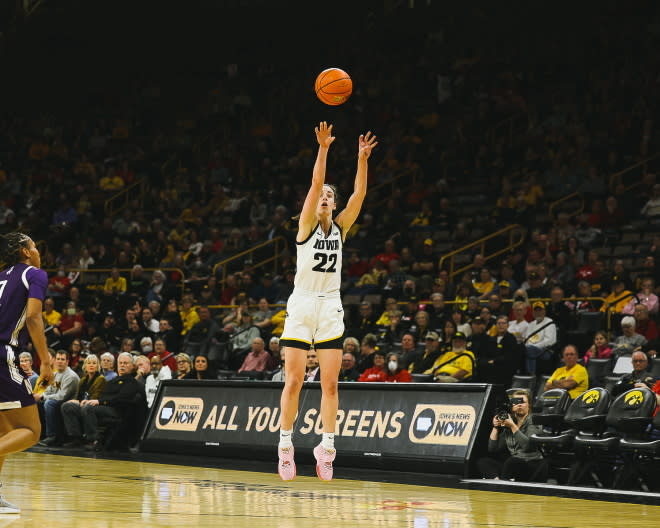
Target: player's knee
329 387
293 383
35 429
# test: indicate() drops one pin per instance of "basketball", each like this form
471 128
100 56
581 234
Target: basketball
333 86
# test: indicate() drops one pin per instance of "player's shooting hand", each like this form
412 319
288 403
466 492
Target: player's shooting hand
324 134
366 143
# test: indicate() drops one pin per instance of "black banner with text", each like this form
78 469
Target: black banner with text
426 425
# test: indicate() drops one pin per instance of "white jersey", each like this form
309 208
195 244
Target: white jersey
318 261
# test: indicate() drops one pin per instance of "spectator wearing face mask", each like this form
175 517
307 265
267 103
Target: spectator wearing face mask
71 325
394 371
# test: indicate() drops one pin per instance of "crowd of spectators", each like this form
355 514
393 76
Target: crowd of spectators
227 178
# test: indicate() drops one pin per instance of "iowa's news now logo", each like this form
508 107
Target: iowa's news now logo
180 414
442 424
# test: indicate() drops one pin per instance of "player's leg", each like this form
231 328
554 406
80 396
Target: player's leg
325 453
329 365
294 375
19 429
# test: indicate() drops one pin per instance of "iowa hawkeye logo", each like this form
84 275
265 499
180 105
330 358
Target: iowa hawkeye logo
180 414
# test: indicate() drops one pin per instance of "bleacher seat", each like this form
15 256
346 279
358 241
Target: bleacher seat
539 390
552 408
373 298
351 300
610 381
587 323
521 381
629 415
422 378
655 367
598 369
585 414
640 456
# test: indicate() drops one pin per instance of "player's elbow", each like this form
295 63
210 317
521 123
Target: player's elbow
33 320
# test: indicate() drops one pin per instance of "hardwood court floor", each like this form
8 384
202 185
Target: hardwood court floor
75 492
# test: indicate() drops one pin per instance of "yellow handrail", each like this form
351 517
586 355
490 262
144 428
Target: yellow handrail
641 163
87 275
411 172
508 121
513 230
577 211
280 244
124 196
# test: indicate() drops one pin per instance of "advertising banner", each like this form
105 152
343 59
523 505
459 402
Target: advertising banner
417 421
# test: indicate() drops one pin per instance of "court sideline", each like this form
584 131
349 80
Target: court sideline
105 493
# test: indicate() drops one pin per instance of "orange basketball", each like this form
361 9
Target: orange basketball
333 86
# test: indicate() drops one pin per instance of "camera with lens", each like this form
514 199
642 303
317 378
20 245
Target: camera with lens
503 410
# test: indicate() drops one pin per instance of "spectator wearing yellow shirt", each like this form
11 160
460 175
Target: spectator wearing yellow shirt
39 150
277 320
114 284
390 306
618 298
111 181
571 377
51 315
485 284
189 315
455 365
84 168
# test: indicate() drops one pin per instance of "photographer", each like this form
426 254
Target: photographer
512 427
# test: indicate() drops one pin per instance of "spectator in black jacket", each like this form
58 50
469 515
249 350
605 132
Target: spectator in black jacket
121 400
110 332
348 371
497 362
198 340
479 342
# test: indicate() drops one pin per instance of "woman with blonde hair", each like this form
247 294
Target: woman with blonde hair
183 366
89 388
351 345
520 296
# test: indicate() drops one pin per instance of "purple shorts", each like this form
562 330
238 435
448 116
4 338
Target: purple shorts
15 388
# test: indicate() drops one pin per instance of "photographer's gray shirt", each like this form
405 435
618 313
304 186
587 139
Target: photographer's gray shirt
518 443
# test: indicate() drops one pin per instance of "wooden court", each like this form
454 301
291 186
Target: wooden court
94 492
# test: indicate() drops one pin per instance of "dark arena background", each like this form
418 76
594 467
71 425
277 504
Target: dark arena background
158 153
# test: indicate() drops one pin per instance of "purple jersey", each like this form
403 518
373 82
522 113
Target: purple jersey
17 285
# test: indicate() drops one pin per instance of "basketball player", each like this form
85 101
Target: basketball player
22 291
314 311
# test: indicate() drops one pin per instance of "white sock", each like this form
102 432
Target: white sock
285 438
328 441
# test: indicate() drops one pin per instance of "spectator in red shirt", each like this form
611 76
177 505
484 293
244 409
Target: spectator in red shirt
644 325
255 362
59 284
358 265
377 372
389 253
72 324
394 371
167 358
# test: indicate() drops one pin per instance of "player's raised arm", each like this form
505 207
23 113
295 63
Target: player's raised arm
308 214
347 217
